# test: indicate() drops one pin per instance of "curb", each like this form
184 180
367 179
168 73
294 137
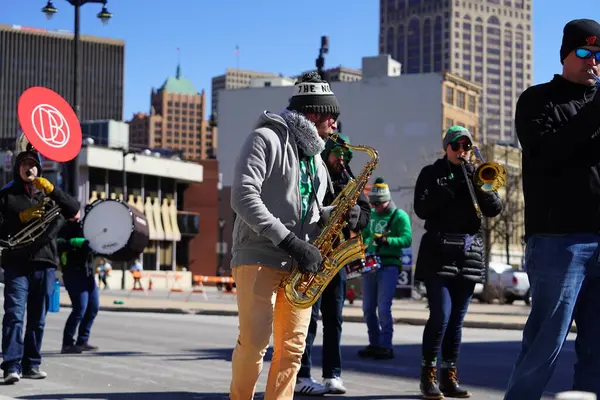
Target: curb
511 326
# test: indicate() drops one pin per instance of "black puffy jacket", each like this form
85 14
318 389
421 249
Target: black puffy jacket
17 196
443 200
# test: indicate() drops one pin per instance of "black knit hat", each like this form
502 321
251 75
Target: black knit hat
313 95
578 33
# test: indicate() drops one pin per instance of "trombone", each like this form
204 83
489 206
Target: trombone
488 176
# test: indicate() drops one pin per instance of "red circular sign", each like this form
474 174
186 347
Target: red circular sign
50 124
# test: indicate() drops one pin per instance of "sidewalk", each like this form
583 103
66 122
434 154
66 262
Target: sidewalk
413 312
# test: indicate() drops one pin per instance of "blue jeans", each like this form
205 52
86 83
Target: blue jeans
448 299
85 301
25 287
378 292
330 304
564 277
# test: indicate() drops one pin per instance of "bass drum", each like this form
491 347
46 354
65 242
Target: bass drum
115 230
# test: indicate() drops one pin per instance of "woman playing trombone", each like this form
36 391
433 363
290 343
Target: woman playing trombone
450 260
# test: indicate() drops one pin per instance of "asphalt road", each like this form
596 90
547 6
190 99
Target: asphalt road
163 357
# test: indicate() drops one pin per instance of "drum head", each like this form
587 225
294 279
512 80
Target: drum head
107 225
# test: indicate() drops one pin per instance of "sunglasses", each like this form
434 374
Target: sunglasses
340 152
455 146
586 54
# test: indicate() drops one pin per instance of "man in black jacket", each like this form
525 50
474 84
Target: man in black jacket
558 125
450 260
30 269
77 260
332 300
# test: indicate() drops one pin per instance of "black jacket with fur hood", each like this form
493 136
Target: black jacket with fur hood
17 196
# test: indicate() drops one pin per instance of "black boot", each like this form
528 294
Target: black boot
368 352
429 387
449 384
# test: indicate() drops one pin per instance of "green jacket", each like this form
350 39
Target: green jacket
399 236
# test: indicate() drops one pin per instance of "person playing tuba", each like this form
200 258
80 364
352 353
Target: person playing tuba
29 270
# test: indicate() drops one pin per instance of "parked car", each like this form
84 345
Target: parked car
494 288
516 286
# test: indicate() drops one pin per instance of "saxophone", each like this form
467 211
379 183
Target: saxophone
301 289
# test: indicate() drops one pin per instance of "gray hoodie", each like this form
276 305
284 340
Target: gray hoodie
265 193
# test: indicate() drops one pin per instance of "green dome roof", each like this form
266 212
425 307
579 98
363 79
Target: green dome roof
179 84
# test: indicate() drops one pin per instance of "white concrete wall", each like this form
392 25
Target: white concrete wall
401 117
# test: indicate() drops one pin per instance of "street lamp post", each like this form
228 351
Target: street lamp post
125 152
321 60
69 168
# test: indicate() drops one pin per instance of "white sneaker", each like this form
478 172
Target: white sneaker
11 378
310 387
334 385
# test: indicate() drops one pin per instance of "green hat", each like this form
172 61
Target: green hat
380 192
454 133
330 145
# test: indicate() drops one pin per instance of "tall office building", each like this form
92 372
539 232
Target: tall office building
486 41
177 121
233 79
37 57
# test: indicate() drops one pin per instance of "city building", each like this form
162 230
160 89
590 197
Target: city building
107 133
487 42
271 81
156 186
38 57
402 117
507 231
234 79
177 121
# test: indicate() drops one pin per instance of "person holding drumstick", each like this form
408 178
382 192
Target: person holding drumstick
29 270
77 260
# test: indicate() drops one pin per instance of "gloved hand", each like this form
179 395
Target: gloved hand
381 240
32 213
43 184
306 255
326 213
353 216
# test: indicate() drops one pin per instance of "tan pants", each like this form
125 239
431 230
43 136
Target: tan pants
264 310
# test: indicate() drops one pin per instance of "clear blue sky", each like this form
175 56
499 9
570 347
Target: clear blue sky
281 36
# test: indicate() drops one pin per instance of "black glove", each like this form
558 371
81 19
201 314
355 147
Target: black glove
381 241
353 216
306 255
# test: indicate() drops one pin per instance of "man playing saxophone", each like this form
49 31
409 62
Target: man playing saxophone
277 193
450 260
29 271
330 304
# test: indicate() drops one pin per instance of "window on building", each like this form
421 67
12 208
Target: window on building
449 95
449 123
471 103
414 47
460 99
